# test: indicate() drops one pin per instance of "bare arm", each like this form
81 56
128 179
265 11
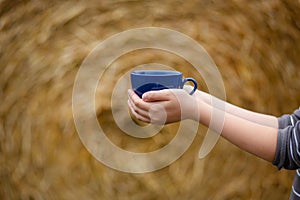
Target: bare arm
250 131
250 136
263 119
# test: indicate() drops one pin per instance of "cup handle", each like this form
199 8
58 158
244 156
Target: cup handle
194 82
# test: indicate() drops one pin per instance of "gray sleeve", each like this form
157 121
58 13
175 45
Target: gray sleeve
287 150
288 120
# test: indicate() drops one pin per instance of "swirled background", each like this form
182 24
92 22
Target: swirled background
255 44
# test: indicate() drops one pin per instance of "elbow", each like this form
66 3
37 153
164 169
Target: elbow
287 151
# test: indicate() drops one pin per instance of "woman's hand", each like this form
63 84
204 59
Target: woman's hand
163 106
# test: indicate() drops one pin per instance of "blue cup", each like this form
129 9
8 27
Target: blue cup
149 80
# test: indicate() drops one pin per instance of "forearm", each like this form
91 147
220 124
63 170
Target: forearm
248 135
259 118
175 105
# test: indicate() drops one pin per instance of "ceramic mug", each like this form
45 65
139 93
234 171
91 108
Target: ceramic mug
148 80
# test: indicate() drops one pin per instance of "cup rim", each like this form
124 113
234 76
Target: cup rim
156 72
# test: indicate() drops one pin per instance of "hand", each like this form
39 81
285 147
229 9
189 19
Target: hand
163 106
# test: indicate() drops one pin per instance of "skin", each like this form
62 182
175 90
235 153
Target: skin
251 131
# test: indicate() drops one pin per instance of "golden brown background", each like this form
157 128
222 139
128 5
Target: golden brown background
255 44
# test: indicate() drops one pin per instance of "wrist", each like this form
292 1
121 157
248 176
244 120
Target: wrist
193 109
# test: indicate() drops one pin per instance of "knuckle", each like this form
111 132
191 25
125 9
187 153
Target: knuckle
157 121
137 103
138 111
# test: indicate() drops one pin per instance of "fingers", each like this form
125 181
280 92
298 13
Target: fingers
138 107
137 102
134 109
161 95
157 106
136 115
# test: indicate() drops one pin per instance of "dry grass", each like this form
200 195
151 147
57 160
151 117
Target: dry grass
42 44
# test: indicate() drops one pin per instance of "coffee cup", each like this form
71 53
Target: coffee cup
150 80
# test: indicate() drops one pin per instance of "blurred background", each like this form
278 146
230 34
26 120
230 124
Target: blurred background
255 45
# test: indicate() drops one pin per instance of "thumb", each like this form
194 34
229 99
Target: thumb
160 95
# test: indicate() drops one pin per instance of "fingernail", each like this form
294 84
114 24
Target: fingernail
144 96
